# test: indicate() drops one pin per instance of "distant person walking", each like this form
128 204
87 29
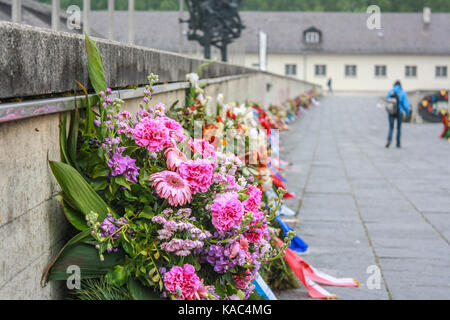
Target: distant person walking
330 85
397 105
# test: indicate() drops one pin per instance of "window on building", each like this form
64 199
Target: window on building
320 70
350 71
312 37
290 69
380 71
410 71
441 71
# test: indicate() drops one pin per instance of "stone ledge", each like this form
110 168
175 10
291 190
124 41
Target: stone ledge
37 62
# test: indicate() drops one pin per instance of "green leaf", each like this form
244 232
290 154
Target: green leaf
78 191
63 141
86 257
156 255
152 272
95 67
90 119
243 196
100 171
73 134
128 248
200 69
76 239
100 184
140 292
129 196
75 218
172 106
147 213
117 275
155 278
122 181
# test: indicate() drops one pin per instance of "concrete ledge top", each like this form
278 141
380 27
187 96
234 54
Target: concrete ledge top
36 62
41 62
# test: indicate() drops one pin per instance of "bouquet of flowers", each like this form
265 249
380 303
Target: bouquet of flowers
160 213
246 128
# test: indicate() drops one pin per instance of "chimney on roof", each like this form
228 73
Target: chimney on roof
427 15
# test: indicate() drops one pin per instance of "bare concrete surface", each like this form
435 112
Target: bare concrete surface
360 204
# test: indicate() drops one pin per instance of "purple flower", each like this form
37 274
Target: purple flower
124 165
107 227
158 219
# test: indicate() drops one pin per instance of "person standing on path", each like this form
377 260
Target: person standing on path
402 107
330 85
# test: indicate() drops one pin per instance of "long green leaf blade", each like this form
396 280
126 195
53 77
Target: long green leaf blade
87 259
75 218
140 292
78 191
63 140
88 103
96 72
79 237
73 134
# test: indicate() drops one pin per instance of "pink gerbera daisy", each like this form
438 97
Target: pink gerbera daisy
171 186
174 157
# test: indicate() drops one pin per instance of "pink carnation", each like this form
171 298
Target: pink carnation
227 211
174 157
184 283
199 174
231 181
169 185
257 233
243 281
253 203
176 130
203 147
152 134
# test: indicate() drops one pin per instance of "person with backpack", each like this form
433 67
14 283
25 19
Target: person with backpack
397 105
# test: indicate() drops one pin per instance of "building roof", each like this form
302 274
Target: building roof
342 32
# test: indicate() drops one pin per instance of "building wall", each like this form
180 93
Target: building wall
365 80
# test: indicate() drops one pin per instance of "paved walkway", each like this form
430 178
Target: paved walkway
360 204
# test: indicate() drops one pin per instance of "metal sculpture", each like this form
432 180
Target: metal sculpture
214 23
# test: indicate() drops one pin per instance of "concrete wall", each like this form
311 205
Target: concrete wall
365 81
43 62
32 226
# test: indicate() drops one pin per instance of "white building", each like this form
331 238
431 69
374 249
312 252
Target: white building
315 46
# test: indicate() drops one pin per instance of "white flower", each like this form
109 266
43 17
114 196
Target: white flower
202 99
220 99
192 78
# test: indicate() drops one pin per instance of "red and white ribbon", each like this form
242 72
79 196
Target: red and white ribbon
310 277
